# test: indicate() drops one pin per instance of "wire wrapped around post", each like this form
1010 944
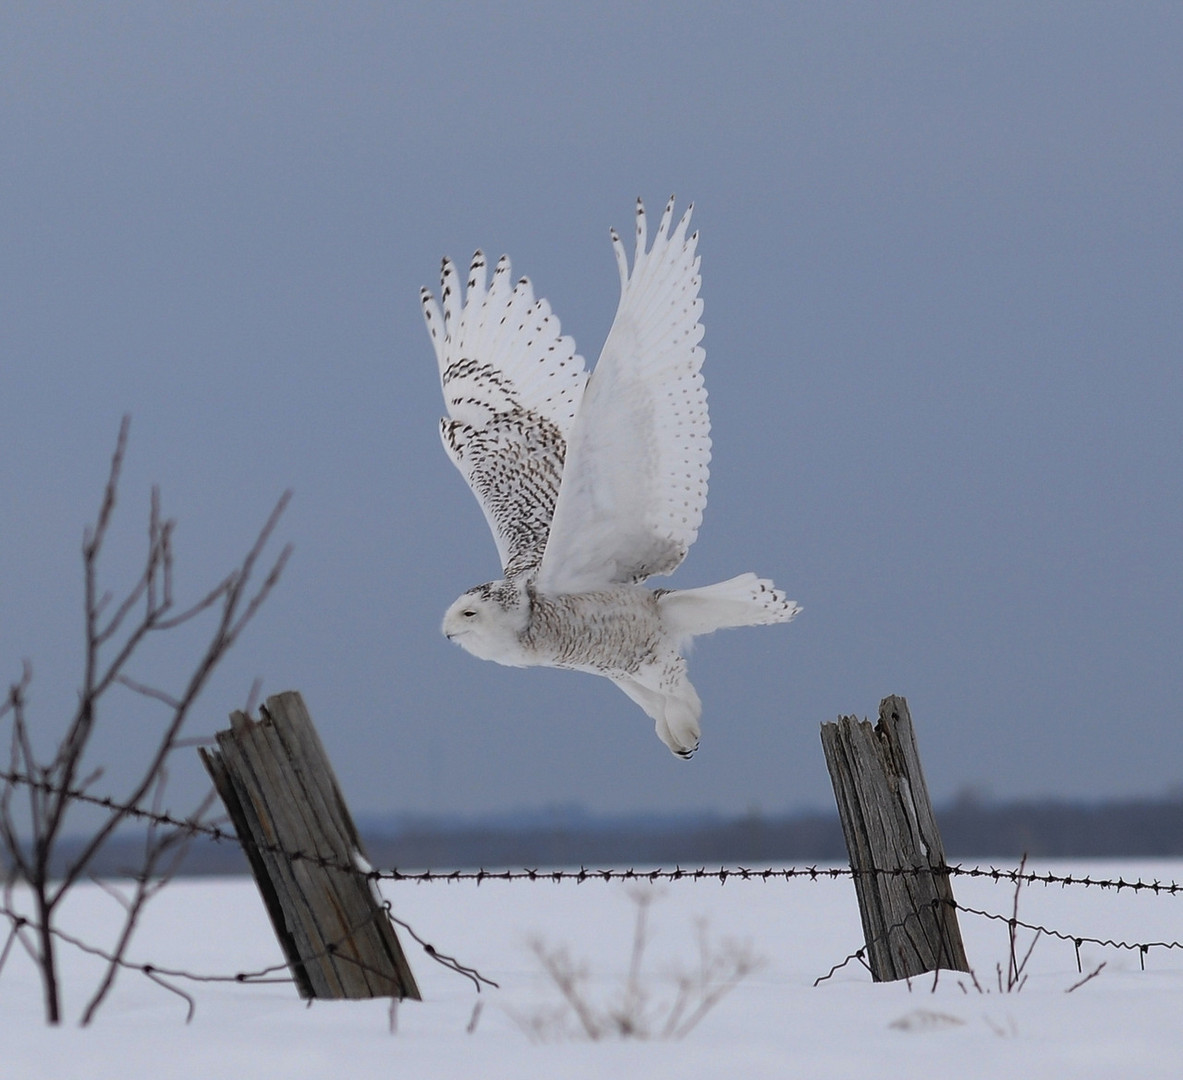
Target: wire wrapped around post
280 791
896 856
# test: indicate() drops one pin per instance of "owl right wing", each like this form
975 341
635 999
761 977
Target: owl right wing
512 384
635 482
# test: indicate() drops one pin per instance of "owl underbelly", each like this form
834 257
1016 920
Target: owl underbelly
613 632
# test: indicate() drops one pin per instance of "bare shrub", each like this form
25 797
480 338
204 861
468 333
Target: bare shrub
645 1009
1017 957
116 630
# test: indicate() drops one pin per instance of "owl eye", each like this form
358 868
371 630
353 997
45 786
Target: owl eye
469 613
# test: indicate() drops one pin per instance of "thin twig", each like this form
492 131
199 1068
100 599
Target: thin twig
1091 975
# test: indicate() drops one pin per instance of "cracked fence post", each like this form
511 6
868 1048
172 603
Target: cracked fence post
900 873
280 791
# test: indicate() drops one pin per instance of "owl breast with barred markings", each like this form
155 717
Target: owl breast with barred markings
590 483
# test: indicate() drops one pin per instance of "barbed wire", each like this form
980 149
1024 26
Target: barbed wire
1013 922
1142 947
167 977
192 826
267 975
770 873
1011 875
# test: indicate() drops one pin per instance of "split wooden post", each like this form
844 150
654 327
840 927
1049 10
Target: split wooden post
900 874
280 791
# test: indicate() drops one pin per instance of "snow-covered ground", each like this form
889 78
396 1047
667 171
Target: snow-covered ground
1124 1022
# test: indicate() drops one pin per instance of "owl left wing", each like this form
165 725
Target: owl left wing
512 384
635 481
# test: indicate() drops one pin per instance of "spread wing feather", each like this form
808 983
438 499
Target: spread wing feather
635 480
512 385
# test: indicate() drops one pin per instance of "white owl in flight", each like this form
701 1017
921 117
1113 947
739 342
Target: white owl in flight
590 483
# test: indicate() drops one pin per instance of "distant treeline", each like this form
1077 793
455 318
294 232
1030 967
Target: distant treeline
971 831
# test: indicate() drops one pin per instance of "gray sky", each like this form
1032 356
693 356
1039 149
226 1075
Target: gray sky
941 251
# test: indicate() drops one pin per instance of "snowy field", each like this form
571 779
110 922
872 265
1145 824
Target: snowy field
1123 1022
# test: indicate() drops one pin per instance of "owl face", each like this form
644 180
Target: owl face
482 625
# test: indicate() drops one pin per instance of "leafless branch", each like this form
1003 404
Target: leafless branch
567 976
8 943
1015 972
720 971
1091 975
633 1004
151 692
151 878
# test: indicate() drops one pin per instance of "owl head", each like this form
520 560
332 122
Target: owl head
488 621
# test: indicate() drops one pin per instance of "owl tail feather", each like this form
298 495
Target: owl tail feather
746 600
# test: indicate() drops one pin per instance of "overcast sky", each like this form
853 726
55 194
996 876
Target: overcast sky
942 264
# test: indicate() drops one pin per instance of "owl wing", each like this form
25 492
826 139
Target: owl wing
512 384
635 481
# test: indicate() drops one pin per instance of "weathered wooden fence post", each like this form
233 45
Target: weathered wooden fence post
900 874
280 791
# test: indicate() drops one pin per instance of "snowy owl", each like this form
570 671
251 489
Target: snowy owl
590 483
